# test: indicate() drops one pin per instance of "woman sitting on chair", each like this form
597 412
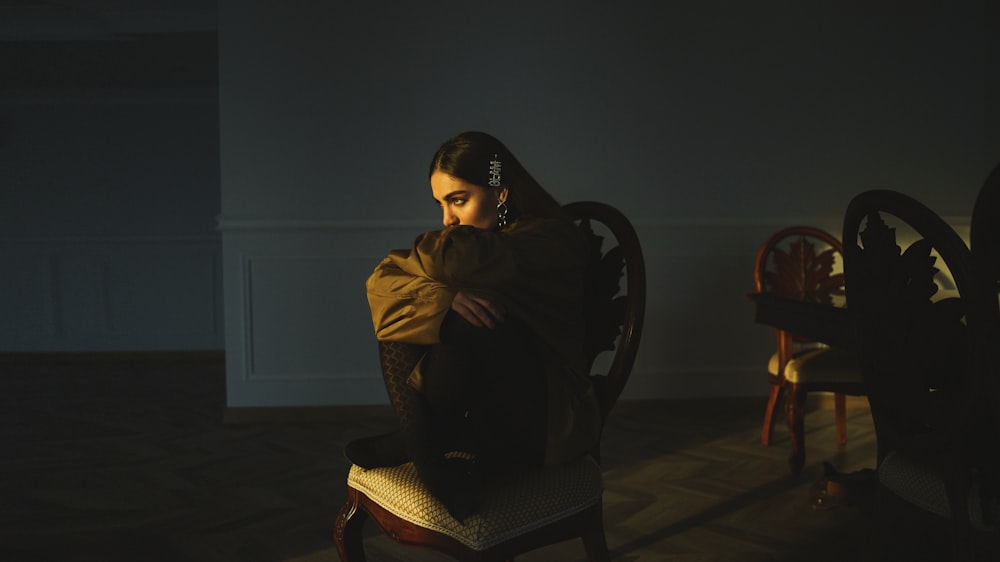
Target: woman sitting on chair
481 331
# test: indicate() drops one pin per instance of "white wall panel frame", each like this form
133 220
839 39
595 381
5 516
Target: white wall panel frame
300 331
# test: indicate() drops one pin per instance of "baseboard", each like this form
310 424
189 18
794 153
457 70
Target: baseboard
297 414
293 414
824 401
210 355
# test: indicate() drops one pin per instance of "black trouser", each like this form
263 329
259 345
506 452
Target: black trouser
485 392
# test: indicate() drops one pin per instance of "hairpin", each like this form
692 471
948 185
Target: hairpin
495 172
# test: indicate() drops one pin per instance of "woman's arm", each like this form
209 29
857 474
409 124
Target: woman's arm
406 307
478 274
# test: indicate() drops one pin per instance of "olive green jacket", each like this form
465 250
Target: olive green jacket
534 269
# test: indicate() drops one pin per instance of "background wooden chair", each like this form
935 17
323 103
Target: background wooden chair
528 509
925 357
801 263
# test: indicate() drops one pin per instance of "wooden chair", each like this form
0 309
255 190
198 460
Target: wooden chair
925 358
799 263
985 254
529 509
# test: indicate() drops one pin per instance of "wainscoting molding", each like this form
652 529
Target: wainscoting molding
298 328
149 293
299 331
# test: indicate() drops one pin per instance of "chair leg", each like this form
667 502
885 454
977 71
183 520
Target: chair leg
596 546
795 402
347 530
840 411
594 542
767 432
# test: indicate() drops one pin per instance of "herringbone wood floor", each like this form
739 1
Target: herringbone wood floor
133 461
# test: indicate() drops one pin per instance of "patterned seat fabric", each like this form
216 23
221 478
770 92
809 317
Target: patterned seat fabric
553 494
911 480
912 477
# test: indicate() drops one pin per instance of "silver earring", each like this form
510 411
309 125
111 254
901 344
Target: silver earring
502 214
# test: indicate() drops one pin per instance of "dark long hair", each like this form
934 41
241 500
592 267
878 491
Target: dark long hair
468 156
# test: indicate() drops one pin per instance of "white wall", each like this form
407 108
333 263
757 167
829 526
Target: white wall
709 124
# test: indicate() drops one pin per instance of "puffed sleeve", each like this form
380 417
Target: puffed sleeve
406 307
410 291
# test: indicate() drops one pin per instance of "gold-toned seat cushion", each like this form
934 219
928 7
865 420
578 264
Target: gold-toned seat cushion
823 364
515 503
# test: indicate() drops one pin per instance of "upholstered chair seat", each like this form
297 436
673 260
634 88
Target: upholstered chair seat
819 365
516 503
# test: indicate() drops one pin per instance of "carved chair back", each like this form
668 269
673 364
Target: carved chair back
803 263
913 344
926 356
614 315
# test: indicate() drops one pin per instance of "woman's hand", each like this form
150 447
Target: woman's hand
476 310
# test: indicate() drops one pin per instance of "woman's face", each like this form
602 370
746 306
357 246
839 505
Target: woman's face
464 203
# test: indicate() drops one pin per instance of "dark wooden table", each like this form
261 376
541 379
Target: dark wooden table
828 324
